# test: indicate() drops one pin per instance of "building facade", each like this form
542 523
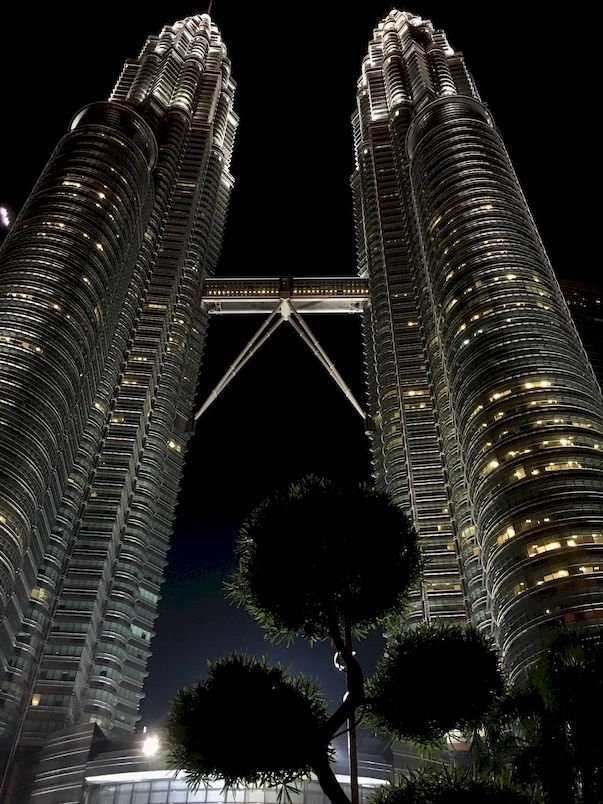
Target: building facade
102 333
489 417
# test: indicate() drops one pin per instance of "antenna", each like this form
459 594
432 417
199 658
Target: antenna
209 5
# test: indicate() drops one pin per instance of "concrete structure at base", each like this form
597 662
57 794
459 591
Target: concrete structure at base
84 766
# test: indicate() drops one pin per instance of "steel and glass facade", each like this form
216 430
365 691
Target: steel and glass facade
101 337
487 419
490 420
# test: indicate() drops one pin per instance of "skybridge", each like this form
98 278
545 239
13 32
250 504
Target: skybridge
284 300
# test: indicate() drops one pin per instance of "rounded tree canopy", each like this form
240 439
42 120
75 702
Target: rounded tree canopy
433 679
316 556
247 723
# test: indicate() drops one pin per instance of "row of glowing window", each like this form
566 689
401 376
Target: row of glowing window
86 236
482 208
296 292
51 306
557 420
561 442
509 277
507 306
480 331
533 404
523 586
572 441
23 344
528 524
83 181
496 395
553 466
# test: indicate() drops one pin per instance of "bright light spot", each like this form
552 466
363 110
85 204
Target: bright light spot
150 746
4 217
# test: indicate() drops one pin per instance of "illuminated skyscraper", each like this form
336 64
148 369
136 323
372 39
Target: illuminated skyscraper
101 336
489 418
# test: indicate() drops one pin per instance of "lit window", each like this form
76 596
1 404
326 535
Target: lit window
543 548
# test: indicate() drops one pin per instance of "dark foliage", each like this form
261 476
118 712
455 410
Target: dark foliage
448 787
316 556
431 680
546 726
247 723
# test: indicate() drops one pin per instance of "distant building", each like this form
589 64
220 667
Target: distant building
586 306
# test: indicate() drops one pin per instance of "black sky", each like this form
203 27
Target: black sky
296 68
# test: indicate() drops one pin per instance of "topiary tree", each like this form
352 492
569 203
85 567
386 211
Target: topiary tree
317 560
278 719
321 562
432 680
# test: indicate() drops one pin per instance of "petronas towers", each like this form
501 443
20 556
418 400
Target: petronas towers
486 417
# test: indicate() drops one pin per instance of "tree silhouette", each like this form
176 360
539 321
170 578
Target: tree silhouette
451 787
323 562
432 680
245 693
546 725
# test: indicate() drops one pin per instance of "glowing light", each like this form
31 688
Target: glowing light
4 217
150 745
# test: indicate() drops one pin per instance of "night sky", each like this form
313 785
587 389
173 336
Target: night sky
296 68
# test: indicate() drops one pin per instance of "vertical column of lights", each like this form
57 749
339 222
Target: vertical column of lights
527 409
64 271
406 448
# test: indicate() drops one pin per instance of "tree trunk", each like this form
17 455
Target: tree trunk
352 741
329 784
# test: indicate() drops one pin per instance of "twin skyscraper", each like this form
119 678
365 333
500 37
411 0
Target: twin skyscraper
487 420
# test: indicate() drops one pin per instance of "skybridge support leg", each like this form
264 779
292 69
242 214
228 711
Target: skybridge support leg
270 325
308 337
